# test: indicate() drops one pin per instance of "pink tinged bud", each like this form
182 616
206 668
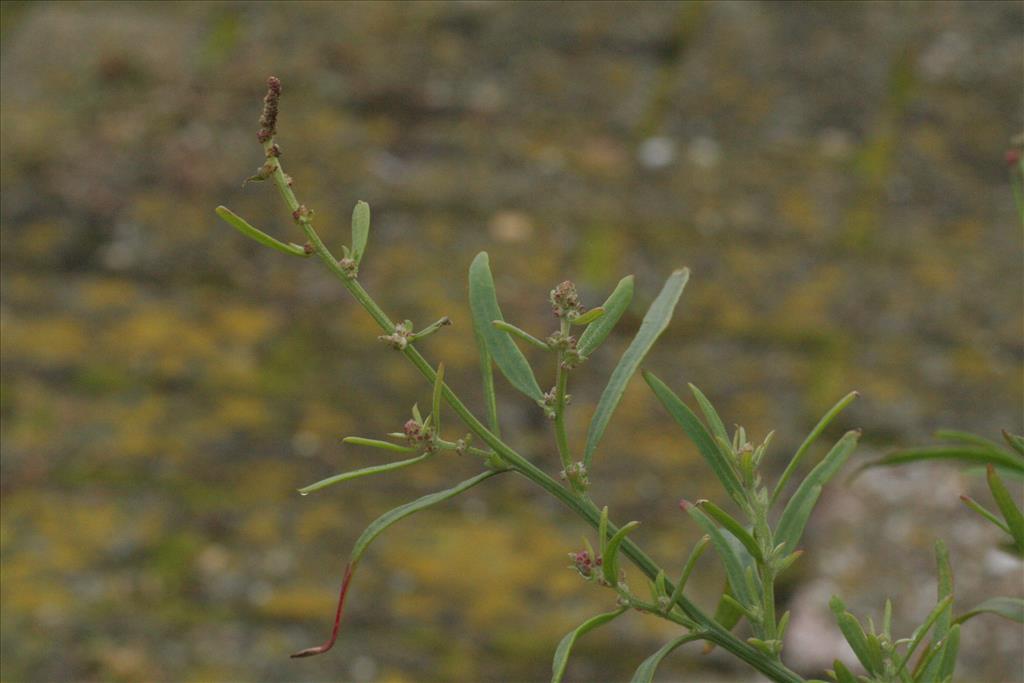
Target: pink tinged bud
684 504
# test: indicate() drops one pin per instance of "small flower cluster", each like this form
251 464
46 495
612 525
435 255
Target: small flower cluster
565 302
268 117
566 343
585 564
576 473
401 337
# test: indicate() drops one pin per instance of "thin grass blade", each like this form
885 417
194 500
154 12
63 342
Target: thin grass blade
971 455
1011 513
1008 608
654 323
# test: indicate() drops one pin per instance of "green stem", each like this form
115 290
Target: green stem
583 507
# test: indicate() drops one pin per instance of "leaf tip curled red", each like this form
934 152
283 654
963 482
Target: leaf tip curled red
320 649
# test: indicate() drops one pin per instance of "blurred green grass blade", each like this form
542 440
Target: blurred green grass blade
366 471
972 455
1011 513
360 230
242 226
843 675
589 317
921 631
376 443
949 652
610 560
967 438
698 434
710 414
1008 608
614 307
730 558
733 526
798 457
854 634
645 672
983 511
654 323
561 658
483 302
402 511
1016 442
798 509
945 589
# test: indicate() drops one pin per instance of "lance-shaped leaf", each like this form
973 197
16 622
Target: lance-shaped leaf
945 619
366 471
949 652
487 377
842 674
1016 442
691 562
734 527
984 512
242 226
714 455
728 613
610 560
798 509
645 672
1011 513
710 414
614 307
376 528
854 634
731 560
588 317
921 631
1008 608
654 323
809 441
360 230
971 455
561 658
483 302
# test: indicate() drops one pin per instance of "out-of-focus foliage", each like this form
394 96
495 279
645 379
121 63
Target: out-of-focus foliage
831 173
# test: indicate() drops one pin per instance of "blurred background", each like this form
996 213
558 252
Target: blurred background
832 173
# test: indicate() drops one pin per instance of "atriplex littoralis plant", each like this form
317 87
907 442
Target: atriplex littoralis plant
754 551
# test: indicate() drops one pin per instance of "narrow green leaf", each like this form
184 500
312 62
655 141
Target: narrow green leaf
487 376
360 230
854 634
1008 608
522 334
654 323
949 652
588 317
699 435
645 672
972 455
610 559
842 674
823 423
614 307
375 443
968 438
402 511
887 619
1016 442
710 414
984 512
366 471
435 407
561 658
730 559
1011 513
483 302
691 562
734 527
945 590
728 613
242 226
921 631
798 509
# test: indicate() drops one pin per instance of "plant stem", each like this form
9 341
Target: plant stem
713 631
561 386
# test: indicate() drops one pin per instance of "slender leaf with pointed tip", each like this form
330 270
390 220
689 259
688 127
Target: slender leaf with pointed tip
691 561
798 509
712 453
824 422
1008 608
971 455
921 631
242 226
645 672
734 527
843 675
360 230
588 317
483 302
731 560
949 652
610 561
1011 513
598 330
376 443
561 658
710 414
654 323
854 634
945 619
366 471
